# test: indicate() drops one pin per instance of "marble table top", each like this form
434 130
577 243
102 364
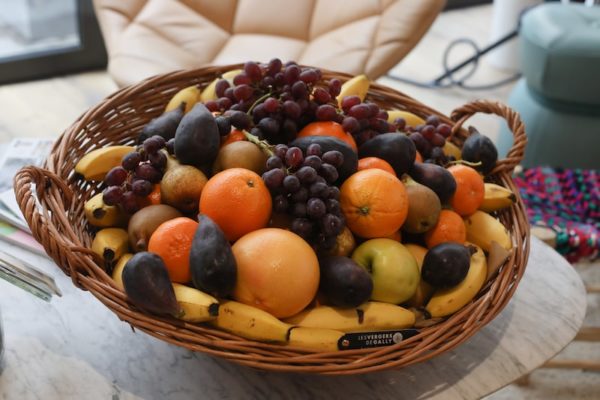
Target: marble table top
75 348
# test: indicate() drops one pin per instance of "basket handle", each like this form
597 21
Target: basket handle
515 124
49 225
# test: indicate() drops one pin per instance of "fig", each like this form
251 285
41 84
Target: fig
480 148
197 138
165 125
395 148
144 222
213 266
329 143
343 282
147 284
436 178
446 264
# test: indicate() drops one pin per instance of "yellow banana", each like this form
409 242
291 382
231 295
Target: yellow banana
357 86
197 306
497 197
450 149
370 316
317 339
189 95
209 92
483 229
424 289
101 215
117 274
95 164
250 322
446 302
111 243
410 118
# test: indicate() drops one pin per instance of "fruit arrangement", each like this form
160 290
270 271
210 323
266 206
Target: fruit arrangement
223 264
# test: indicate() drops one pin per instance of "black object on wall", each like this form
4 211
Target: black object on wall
452 4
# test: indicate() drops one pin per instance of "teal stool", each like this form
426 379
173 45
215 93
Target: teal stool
559 95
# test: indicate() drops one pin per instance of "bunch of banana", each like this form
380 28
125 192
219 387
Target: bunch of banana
497 197
189 95
251 323
357 86
447 301
111 244
483 229
95 164
316 339
197 306
101 215
117 274
371 316
410 118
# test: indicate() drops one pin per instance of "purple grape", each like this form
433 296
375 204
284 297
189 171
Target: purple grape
153 144
306 175
383 115
221 86
321 95
302 227
212 105
325 112
438 140
334 193
268 81
116 176
131 160
129 203
273 178
313 161
331 225
240 120
334 158
309 76
314 149
170 146
335 86
268 125
253 71
259 112
373 109
299 210
148 172
243 92
241 79
315 208
291 183
289 129
400 123
359 111
433 120
333 206
280 203
294 157
141 187
274 162
420 142
224 125
330 173
280 151
291 74
444 130
428 131
274 66
300 196
350 124
318 189
350 101
279 78
112 195
271 105
158 160
291 109
299 90
225 102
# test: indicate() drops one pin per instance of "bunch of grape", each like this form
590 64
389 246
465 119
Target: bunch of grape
364 120
430 138
128 184
275 101
302 185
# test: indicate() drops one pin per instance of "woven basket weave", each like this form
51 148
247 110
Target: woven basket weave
59 224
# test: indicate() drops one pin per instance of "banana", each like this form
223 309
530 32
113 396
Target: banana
357 86
250 322
209 92
111 244
189 95
95 164
317 339
445 302
410 118
483 229
424 289
117 274
197 306
101 215
370 316
450 149
497 197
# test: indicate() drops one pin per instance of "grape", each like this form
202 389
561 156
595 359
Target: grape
131 160
291 74
224 125
268 81
289 129
158 160
419 141
241 79
315 208
170 146
321 95
309 76
148 172
438 140
225 102
382 114
306 175
299 210
280 203
300 196
291 109
240 119
334 158
271 105
294 157
334 193
428 131
326 242
243 92
280 150
129 203
333 206
325 112
350 124
299 90
400 123
291 183
335 86
373 109
274 66
437 154
221 86
253 71
112 195
302 227
269 126
116 176
153 144
359 111
314 149
273 178
433 120
141 188
318 189
259 113
274 162
212 105
313 161
419 127
331 225
350 101
444 130
330 173
279 79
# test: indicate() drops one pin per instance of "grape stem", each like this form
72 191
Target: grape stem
262 144
464 162
258 101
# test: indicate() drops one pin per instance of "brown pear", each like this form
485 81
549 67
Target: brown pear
181 188
241 154
424 208
144 222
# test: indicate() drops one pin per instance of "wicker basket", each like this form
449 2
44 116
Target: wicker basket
59 224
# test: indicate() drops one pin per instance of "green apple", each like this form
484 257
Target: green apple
393 268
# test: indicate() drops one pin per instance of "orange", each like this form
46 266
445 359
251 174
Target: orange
419 157
397 236
154 196
375 162
470 189
277 271
450 227
237 200
172 241
328 128
234 136
374 203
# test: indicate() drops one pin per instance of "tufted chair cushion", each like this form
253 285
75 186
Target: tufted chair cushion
148 37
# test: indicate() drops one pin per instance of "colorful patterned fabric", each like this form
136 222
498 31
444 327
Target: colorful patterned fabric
568 202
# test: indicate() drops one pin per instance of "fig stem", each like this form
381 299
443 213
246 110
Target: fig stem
262 144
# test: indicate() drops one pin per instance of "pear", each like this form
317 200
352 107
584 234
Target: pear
424 208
